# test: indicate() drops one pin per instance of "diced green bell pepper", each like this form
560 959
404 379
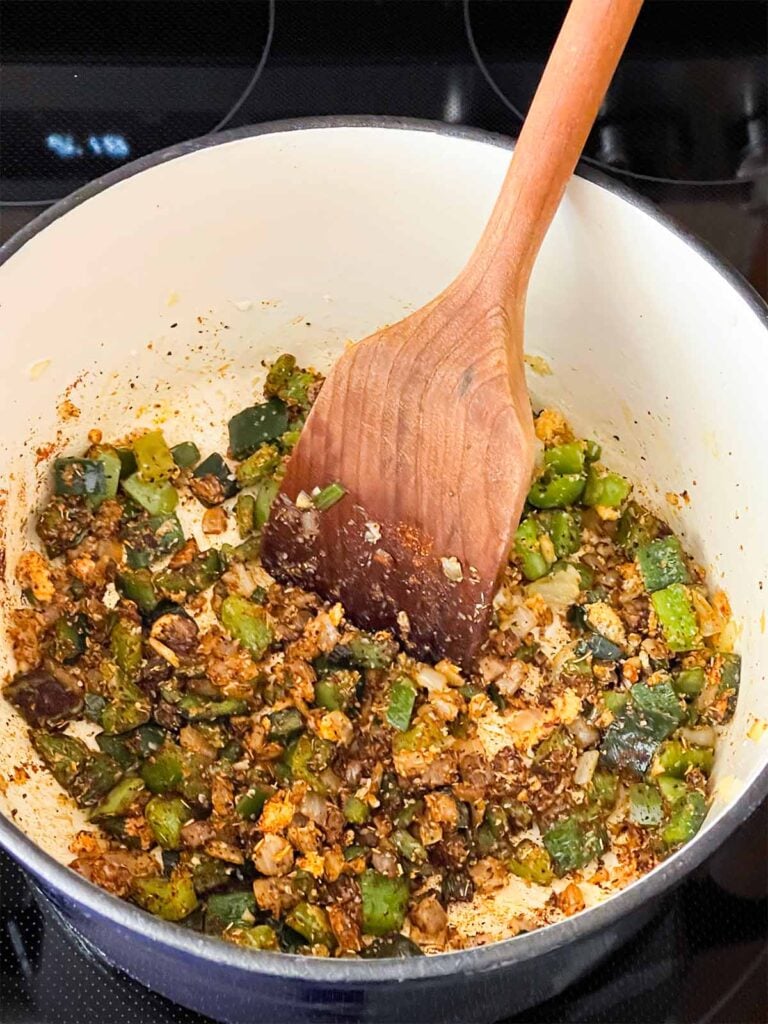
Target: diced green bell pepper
261 936
356 811
371 652
286 724
250 805
150 537
633 737
125 643
662 563
685 820
197 709
120 799
153 457
676 614
730 680
336 691
62 755
255 425
311 922
689 682
157 498
676 759
402 698
165 772
94 779
637 528
573 843
384 902
69 636
186 454
531 862
172 899
166 816
645 806
138 585
671 788
110 460
248 623
79 477
224 909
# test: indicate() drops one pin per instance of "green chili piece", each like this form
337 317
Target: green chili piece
564 529
289 382
402 698
608 490
311 922
119 800
384 902
685 820
531 862
645 807
566 458
158 498
662 563
245 514
172 899
676 614
356 811
251 803
265 495
186 454
528 549
573 843
255 425
328 496
196 709
551 491
258 466
248 623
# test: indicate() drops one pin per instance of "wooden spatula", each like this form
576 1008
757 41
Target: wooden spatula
427 424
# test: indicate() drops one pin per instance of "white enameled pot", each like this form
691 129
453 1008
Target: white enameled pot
153 295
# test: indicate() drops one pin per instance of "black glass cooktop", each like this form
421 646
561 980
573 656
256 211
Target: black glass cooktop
91 84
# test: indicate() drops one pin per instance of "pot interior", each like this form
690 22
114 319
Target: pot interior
155 301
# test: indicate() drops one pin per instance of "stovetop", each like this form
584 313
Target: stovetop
91 84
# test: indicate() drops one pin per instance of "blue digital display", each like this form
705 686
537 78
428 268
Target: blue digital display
67 146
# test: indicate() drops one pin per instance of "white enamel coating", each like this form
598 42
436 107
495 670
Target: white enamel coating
156 300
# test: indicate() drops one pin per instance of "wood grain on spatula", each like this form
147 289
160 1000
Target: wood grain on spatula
427 423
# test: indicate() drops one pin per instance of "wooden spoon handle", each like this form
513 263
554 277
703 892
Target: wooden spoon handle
575 80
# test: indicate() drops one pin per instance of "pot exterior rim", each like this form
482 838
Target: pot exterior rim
489 958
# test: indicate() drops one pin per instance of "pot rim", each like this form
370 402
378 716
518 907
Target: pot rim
496 955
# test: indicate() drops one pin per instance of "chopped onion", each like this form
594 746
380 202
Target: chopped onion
315 807
700 736
710 621
585 767
586 735
559 590
522 621
431 679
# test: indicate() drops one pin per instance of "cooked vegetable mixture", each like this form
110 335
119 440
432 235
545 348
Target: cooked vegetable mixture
255 767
